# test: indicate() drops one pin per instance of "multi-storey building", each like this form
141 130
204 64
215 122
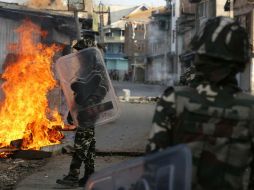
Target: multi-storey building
149 46
182 27
160 64
244 12
137 42
114 40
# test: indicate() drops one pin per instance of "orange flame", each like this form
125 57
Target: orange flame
24 112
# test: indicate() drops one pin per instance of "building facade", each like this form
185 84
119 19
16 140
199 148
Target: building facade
161 67
113 36
136 43
115 60
243 12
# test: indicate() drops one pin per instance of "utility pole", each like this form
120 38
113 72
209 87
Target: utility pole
75 6
77 24
231 9
101 13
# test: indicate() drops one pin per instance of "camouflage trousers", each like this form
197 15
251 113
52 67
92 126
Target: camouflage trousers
84 146
84 143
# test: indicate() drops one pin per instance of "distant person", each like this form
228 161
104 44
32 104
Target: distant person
214 117
130 74
126 77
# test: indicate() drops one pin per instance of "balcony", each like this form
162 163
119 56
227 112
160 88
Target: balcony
114 39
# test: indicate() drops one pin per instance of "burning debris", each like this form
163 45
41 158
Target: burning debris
24 110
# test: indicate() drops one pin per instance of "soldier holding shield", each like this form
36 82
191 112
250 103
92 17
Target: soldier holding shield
88 93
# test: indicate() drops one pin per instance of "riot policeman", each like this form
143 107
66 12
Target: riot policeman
214 118
89 87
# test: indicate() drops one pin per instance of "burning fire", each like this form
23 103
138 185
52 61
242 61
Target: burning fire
24 110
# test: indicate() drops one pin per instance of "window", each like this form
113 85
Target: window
174 10
121 48
110 48
203 9
140 47
162 24
108 34
123 32
140 27
173 36
155 47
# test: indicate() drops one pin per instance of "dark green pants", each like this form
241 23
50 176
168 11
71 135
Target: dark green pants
84 143
84 146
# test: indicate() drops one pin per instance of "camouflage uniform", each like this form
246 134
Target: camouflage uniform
214 118
84 143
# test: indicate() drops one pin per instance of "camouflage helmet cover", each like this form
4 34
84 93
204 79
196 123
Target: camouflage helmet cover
222 38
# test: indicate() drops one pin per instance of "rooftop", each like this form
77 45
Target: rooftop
144 15
47 18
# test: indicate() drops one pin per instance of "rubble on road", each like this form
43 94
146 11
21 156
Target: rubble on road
139 99
13 170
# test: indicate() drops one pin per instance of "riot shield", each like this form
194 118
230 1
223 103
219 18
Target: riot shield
82 75
166 170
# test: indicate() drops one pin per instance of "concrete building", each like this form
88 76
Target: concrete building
210 8
182 27
185 30
244 12
149 46
160 66
115 60
136 43
114 40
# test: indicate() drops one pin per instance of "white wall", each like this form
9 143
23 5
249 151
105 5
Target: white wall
175 13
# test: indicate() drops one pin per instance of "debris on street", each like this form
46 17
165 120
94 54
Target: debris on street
13 170
139 99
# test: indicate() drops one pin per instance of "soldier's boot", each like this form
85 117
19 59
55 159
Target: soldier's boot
89 169
69 181
82 181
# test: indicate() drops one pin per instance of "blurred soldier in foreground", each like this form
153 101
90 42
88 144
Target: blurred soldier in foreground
215 118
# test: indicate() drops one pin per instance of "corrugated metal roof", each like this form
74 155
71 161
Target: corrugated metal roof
61 23
118 24
60 28
145 14
117 15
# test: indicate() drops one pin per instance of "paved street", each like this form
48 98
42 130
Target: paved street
45 179
128 133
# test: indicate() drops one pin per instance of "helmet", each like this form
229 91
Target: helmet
222 38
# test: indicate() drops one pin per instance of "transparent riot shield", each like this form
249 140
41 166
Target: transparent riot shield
83 75
167 170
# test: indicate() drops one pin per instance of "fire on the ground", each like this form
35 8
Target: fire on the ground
24 109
